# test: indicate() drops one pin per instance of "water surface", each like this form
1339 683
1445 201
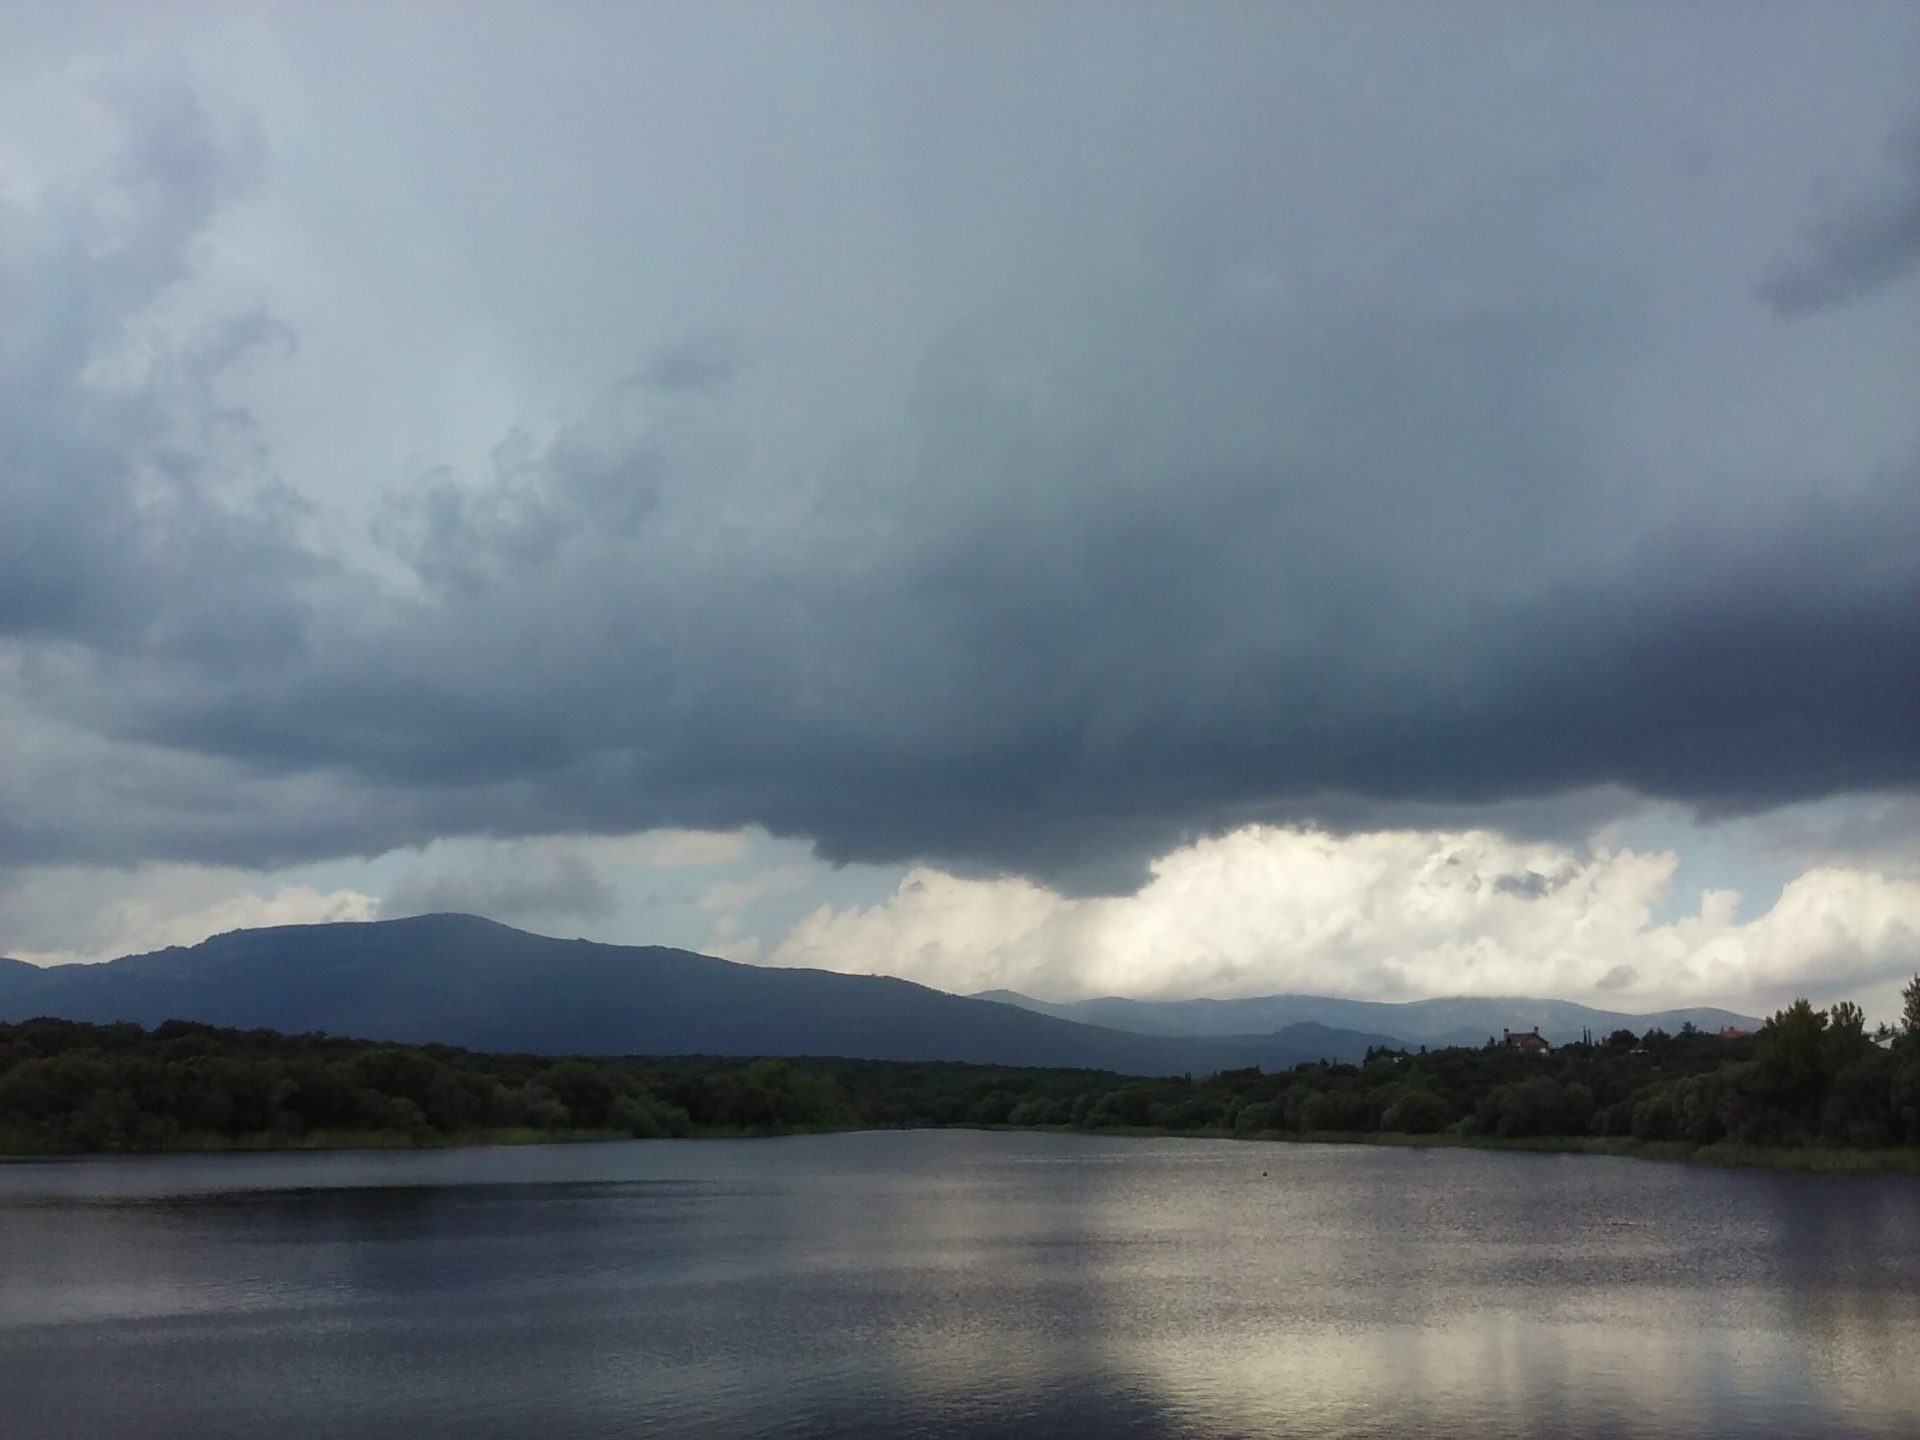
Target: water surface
952 1283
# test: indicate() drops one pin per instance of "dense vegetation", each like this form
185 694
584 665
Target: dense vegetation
1808 1078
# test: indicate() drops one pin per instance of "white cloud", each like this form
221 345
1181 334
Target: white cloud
728 943
1388 915
51 923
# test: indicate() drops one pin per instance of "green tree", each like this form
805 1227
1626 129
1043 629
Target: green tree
1799 1054
1793 1050
324 1097
1846 1036
1905 1098
1335 1110
1699 1109
588 1090
646 1118
1032 1111
1418 1112
1261 1115
1847 1022
1656 1117
993 1108
1858 1107
536 1107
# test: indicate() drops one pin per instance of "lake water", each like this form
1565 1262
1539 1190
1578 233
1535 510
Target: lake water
952 1283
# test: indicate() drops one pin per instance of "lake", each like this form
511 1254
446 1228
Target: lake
939 1283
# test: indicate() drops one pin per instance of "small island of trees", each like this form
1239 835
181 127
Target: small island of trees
1811 1087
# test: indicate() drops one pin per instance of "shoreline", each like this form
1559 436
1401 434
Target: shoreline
1791 1159
1723 1154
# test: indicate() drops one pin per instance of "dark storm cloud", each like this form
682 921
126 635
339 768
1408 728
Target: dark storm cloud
1061 693
1157 558
1618 978
1530 886
1861 246
136 517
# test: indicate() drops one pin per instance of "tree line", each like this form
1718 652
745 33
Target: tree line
1808 1077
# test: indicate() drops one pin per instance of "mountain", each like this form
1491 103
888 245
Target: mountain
1460 1020
461 980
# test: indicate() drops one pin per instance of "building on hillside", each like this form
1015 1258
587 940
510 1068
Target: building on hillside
1531 1041
1733 1032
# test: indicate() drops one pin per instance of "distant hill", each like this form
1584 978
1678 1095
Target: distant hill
1462 1020
462 980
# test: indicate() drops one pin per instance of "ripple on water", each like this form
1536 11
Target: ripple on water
953 1283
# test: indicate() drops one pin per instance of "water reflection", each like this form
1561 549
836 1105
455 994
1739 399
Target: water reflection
954 1283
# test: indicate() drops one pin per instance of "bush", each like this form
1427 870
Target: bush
646 1118
991 1109
1656 1118
1335 1110
538 1108
1418 1112
1252 1119
1029 1112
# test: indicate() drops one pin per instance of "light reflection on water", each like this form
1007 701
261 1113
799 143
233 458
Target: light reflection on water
953 1283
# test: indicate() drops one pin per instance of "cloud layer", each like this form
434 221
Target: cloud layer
1389 916
1057 460
1860 246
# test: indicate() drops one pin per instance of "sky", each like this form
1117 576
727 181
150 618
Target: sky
1385 501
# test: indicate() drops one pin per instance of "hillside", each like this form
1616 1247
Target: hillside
462 980
1455 1020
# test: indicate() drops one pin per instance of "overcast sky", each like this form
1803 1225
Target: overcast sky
1379 500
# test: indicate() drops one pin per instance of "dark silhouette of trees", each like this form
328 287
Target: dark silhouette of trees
1810 1077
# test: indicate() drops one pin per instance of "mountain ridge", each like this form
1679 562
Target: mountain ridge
465 980
1442 1020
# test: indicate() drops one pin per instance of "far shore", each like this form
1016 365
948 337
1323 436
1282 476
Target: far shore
1826 1160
